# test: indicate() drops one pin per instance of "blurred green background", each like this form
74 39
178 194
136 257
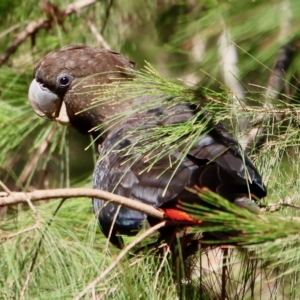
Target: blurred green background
181 39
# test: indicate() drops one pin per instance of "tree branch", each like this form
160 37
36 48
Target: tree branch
19 197
34 26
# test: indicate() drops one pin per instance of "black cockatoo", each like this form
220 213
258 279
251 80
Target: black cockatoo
65 85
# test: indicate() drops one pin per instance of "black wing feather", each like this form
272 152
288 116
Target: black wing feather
215 161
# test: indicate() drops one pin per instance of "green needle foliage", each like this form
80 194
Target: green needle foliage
253 228
56 252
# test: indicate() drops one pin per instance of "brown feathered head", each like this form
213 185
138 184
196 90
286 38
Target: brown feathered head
66 82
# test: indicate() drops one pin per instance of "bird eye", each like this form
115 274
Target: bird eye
64 80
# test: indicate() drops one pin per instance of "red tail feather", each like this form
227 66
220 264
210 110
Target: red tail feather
179 215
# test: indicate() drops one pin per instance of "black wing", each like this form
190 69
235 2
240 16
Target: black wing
215 162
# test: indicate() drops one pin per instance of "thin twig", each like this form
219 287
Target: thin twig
34 259
161 266
38 195
111 228
35 157
5 188
119 258
33 209
107 13
257 110
290 205
10 29
100 39
224 273
7 237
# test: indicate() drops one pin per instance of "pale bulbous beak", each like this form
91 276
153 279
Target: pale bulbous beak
46 104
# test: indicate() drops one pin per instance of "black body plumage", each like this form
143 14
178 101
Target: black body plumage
215 161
